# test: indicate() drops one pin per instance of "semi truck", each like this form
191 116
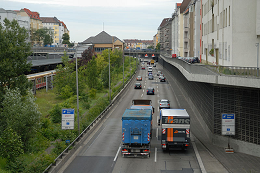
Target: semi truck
175 129
142 104
136 129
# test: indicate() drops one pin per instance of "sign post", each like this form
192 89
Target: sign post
228 128
67 121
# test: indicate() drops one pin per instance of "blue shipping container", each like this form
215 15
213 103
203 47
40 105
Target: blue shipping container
136 126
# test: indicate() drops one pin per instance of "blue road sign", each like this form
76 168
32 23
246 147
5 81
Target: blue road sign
228 116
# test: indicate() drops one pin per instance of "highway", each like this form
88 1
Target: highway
101 150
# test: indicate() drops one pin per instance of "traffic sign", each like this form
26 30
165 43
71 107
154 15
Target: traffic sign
228 123
67 121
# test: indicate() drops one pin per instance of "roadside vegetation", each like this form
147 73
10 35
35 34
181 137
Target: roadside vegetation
30 132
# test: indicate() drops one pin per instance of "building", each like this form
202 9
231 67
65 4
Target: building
53 24
175 30
104 41
230 33
35 20
23 21
165 35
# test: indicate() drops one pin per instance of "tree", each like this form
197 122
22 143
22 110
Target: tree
86 56
14 51
91 73
42 35
65 38
20 113
47 40
158 46
11 144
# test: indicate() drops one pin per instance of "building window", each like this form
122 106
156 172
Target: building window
229 16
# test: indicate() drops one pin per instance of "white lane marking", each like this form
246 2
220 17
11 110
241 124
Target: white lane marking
142 95
143 91
157 85
155 156
202 168
157 131
157 91
117 153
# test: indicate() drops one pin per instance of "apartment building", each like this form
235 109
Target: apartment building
35 20
53 24
229 32
165 30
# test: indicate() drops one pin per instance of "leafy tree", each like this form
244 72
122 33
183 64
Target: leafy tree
11 144
86 56
20 113
158 46
70 44
42 35
14 51
48 40
66 75
105 76
91 73
65 38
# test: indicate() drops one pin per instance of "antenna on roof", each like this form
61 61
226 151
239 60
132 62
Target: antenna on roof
103 26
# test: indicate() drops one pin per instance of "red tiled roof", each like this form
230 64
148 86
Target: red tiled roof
178 4
63 24
34 15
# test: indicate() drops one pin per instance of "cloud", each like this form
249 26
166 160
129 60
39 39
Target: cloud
94 3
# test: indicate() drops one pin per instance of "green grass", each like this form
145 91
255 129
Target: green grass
46 100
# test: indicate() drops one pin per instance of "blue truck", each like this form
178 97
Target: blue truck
136 132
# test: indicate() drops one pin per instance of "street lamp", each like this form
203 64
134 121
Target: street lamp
77 83
109 75
257 69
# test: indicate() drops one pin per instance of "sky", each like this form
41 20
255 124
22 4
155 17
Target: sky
132 19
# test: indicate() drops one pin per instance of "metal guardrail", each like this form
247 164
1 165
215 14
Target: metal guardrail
99 117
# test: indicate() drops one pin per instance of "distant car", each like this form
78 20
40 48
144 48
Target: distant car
154 65
150 77
159 73
150 73
139 78
138 86
164 103
143 67
150 90
162 79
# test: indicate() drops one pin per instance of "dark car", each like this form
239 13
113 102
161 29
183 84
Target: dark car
150 77
162 79
150 90
159 73
138 86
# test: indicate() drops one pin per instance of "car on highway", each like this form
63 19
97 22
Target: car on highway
150 73
159 73
143 67
139 78
162 79
150 90
164 103
138 86
154 65
150 77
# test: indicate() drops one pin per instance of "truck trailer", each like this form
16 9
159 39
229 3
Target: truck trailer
136 129
175 129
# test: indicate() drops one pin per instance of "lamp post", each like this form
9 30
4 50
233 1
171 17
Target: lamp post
123 69
77 82
109 75
257 69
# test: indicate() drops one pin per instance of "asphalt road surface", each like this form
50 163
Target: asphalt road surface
101 151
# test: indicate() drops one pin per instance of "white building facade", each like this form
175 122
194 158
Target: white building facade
230 33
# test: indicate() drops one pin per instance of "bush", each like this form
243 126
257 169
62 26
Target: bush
39 164
92 93
59 147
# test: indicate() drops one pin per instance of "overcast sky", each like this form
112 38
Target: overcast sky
132 19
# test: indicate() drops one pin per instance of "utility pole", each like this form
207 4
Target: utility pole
109 75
